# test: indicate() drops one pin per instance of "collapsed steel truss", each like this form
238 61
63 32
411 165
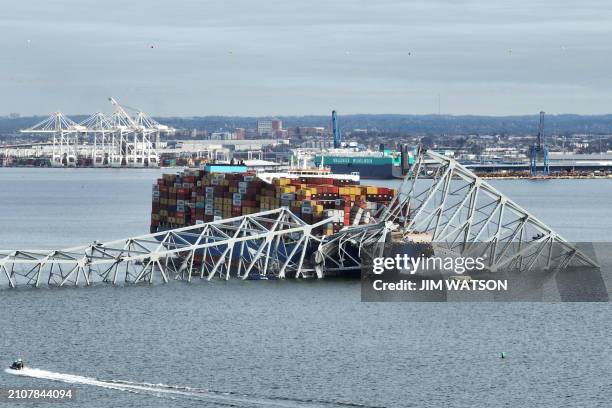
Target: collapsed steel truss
439 200
462 214
267 243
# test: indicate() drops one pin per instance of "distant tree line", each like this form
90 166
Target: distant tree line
401 124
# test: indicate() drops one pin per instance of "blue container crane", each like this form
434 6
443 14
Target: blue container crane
336 130
539 148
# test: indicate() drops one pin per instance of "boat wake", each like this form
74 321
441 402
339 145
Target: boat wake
182 392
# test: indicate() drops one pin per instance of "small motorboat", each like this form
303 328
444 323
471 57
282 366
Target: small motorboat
17 365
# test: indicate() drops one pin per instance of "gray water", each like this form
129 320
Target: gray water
287 343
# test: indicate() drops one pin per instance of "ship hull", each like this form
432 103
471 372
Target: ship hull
370 171
368 166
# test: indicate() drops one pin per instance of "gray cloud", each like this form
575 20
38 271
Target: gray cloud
307 56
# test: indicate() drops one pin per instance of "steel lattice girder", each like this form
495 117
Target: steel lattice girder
271 242
459 212
343 250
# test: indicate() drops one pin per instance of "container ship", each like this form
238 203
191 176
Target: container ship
383 164
351 157
220 191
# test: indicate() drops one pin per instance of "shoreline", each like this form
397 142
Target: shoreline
484 176
551 177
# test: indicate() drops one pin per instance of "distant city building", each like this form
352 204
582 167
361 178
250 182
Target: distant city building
240 133
312 131
277 125
195 133
318 144
223 136
269 127
264 127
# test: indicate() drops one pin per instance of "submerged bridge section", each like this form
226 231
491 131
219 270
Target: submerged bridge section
439 201
265 245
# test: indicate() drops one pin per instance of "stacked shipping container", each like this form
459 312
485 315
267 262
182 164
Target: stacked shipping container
196 196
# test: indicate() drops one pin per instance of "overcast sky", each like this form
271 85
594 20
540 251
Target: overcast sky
272 57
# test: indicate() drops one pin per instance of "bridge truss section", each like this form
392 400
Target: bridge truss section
269 244
462 214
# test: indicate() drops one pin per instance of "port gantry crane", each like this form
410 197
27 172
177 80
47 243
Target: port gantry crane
439 200
118 140
539 148
140 151
103 149
65 134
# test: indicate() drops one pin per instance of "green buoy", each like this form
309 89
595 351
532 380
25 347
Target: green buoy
503 354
